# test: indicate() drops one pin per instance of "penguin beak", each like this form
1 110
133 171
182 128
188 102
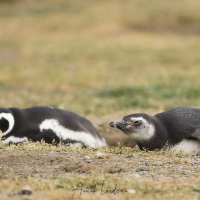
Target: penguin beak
117 124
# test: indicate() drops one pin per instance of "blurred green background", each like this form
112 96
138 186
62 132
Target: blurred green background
100 57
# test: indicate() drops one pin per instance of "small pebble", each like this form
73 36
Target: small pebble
143 173
87 159
99 154
142 169
26 190
132 191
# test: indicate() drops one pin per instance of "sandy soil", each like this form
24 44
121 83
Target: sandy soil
45 164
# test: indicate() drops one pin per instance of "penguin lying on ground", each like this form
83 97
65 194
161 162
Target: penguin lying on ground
177 128
52 125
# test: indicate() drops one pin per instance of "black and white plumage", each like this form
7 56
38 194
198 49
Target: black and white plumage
177 128
48 124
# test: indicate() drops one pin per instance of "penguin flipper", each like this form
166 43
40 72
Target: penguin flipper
196 134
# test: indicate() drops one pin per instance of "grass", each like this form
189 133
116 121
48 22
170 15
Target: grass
143 190
98 58
60 53
127 97
65 189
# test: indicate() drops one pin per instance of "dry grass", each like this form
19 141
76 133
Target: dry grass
101 59
62 53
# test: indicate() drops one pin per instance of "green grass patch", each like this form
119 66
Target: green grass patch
126 97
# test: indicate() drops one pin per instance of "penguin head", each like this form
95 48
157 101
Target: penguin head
138 126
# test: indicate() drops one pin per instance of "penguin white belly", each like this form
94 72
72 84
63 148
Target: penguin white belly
13 139
187 146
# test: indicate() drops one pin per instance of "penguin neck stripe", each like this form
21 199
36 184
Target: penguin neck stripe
9 117
145 133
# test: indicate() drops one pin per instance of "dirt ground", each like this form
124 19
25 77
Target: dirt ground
45 164
29 167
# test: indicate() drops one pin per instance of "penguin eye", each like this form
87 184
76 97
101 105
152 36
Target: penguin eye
136 122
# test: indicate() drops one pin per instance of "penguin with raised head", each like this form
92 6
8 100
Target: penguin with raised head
48 124
178 129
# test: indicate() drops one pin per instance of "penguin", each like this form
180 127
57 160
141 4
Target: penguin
48 124
177 129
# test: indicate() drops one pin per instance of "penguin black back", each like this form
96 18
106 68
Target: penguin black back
180 122
49 124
